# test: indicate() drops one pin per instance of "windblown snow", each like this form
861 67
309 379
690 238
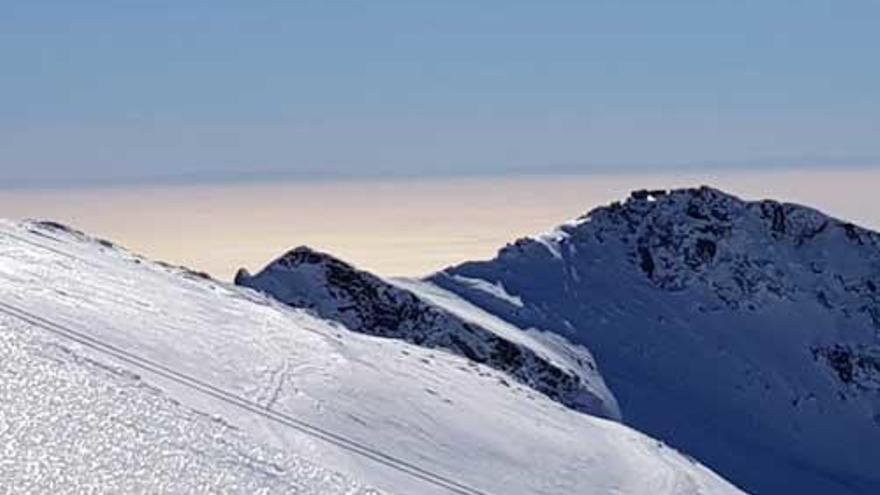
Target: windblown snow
496 289
73 416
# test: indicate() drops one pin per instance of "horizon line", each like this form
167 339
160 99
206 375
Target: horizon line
206 178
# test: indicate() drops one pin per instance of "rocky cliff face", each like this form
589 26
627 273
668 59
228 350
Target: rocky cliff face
365 303
746 252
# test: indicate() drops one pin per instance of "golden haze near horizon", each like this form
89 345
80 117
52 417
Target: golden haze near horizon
391 227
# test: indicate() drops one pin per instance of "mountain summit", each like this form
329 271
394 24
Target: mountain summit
742 332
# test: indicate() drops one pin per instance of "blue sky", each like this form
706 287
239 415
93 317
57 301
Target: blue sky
95 92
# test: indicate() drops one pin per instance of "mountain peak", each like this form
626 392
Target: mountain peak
681 237
306 255
366 303
703 191
755 322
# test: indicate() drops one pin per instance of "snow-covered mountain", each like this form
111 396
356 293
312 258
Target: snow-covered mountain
107 356
365 303
743 333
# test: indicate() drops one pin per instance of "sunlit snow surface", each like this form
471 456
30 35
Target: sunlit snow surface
438 411
71 425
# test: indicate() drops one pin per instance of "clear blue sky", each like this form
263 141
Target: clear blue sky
156 90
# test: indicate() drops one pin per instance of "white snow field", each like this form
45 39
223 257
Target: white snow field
69 424
137 374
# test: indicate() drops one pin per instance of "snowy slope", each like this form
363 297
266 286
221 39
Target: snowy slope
459 420
69 424
743 333
557 349
363 302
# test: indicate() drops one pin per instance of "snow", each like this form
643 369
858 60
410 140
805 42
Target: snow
439 411
552 347
743 333
496 289
69 424
552 240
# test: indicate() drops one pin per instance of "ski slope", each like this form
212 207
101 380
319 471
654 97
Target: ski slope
441 424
